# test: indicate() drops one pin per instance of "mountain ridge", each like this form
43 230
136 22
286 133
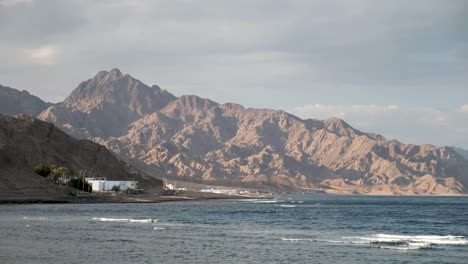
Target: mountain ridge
189 138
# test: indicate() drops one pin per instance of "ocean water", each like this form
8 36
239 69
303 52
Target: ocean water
287 229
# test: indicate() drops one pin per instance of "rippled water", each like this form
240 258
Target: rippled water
288 229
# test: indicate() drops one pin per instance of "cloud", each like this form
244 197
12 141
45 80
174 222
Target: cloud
43 55
343 111
418 125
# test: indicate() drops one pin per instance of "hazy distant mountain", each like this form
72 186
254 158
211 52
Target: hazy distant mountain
26 142
462 152
14 102
195 139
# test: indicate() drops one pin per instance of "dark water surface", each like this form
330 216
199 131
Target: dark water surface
288 229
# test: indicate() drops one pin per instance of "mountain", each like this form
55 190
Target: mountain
13 102
104 105
26 141
462 152
198 140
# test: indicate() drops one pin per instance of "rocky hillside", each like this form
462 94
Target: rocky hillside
26 141
195 139
13 102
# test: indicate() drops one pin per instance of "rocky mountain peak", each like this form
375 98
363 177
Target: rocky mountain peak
340 127
116 88
106 104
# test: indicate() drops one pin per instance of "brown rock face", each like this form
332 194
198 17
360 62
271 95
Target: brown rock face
26 142
195 139
14 102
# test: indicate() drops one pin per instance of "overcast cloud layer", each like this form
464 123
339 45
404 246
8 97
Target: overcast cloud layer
399 68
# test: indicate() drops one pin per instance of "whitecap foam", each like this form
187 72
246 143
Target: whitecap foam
144 220
432 240
102 219
159 228
288 205
409 242
266 201
297 239
395 242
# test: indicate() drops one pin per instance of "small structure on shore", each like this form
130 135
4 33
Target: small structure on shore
103 185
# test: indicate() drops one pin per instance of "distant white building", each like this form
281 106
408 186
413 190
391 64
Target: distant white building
101 185
225 191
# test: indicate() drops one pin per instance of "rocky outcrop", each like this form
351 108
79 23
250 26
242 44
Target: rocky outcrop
195 139
14 102
26 141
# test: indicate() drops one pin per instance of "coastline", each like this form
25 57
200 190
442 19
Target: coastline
110 199
192 196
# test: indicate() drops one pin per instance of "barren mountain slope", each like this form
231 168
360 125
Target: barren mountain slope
26 142
13 102
194 139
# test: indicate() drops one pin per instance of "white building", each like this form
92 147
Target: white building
100 185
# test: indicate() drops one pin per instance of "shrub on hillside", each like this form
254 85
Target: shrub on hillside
59 174
42 169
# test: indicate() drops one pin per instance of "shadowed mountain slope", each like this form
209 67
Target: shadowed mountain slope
26 142
14 102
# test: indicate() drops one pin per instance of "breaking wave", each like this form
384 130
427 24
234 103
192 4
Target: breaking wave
395 242
266 201
102 219
298 239
408 242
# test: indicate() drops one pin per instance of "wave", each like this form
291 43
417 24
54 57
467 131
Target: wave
288 205
395 242
102 219
298 239
266 201
143 220
410 242
40 218
159 228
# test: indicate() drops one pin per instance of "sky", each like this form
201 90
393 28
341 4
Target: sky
397 68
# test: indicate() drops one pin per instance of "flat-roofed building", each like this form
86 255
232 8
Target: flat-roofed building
102 185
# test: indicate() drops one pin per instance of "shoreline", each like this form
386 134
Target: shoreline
108 199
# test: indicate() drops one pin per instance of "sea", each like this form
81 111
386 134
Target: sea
296 228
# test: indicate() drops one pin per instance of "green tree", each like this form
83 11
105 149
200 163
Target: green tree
59 174
42 169
81 184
